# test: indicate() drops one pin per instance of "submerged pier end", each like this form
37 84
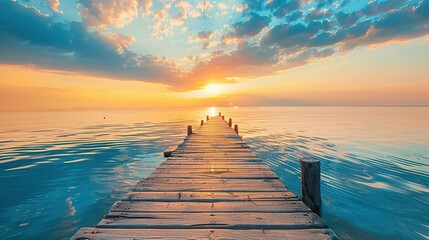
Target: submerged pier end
211 187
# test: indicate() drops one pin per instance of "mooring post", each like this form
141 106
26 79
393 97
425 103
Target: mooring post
189 130
236 128
223 117
220 114
230 122
202 122
310 184
207 117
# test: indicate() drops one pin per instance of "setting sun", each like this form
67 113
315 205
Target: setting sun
213 89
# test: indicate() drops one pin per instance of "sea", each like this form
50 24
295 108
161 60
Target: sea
62 170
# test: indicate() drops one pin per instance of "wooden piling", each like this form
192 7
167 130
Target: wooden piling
207 117
220 114
310 184
223 117
230 122
236 128
202 123
189 130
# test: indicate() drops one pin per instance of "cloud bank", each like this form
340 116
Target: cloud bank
264 37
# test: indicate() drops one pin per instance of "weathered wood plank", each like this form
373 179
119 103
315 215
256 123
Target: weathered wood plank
224 164
210 207
221 164
210 185
209 220
202 234
169 150
208 196
247 168
210 173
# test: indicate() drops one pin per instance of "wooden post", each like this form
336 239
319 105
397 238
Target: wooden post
230 122
220 114
223 117
310 184
207 117
202 122
189 130
236 128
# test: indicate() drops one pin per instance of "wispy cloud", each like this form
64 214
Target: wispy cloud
254 38
117 13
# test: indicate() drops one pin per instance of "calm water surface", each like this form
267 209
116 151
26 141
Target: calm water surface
60 171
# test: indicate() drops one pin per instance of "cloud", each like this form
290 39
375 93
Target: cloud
205 5
264 38
320 33
222 6
205 35
194 13
250 26
281 8
29 38
202 36
103 13
286 35
375 7
247 60
54 5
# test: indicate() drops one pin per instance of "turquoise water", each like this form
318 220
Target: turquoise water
60 171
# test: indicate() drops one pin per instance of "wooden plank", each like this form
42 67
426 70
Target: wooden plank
214 171
169 150
202 234
249 168
210 207
224 164
210 185
215 158
218 160
208 196
209 220
215 174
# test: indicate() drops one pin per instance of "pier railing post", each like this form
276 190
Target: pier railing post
202 122
230 122
236 128
310 184
189 130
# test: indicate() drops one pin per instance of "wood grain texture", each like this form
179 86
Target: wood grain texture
212 220
210 207
202 234
208 196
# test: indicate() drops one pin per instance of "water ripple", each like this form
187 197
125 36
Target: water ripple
64 170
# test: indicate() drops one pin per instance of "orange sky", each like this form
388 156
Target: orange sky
393 74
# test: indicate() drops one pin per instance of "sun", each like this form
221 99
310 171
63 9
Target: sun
213 89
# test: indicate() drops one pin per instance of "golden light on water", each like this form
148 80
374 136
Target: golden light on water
212 111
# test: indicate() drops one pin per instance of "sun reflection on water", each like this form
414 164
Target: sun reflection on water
212 111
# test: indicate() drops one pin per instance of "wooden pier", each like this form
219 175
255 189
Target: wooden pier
211 187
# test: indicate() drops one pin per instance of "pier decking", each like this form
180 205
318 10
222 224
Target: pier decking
211 187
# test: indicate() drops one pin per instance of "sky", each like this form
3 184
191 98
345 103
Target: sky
57 54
